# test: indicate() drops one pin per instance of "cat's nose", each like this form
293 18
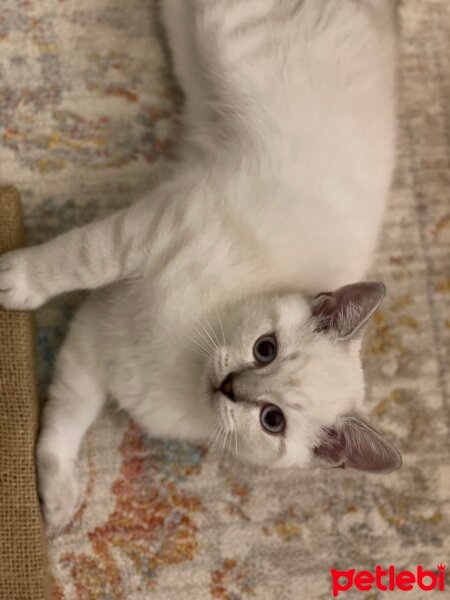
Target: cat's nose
226 387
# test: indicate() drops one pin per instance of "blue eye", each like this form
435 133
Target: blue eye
265 349
272 419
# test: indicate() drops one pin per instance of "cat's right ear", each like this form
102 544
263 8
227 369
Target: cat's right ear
344 311
355 444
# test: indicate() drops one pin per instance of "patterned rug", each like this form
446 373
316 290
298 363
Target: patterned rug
86 115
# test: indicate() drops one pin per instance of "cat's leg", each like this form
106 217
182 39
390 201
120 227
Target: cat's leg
85 258
75 399
178 21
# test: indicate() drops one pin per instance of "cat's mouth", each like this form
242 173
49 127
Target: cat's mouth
213 392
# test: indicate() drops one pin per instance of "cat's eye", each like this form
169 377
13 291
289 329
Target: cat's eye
265 349
272 419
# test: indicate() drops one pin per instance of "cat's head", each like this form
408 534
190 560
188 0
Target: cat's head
286 381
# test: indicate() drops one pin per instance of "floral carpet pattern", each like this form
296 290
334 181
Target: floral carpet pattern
87 113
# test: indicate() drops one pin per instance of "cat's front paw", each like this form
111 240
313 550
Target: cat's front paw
58 490
18 287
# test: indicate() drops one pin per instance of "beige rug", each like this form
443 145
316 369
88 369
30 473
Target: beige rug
86 110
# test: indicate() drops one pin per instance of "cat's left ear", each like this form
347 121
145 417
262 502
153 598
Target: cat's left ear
344 311
353 443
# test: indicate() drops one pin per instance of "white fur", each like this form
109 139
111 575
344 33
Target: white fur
279 194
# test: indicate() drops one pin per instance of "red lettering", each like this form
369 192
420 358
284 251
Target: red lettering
405 581
337 585
364 581
421 575
441 569
391 577
380 573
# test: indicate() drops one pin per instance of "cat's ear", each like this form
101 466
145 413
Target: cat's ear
353 443
344 311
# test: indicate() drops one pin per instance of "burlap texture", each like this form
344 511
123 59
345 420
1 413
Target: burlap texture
22 548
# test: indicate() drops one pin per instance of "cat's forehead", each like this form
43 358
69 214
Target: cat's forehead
292 312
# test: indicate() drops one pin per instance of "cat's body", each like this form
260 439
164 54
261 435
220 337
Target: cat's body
278 195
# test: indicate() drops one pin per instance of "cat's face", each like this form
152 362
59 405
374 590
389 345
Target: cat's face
287 383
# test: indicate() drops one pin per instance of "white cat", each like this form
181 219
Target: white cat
208 311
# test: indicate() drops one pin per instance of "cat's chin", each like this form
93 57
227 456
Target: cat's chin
218 403
214 395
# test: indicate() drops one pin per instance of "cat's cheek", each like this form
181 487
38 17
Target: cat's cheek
296 455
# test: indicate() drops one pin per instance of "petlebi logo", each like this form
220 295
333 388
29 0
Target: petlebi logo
387 580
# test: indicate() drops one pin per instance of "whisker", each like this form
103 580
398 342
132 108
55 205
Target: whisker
212 442
215 432
228 432
199 348
218 434
231 429
227 442
213 332
201 341
223 440
221 328
209 336
205 340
